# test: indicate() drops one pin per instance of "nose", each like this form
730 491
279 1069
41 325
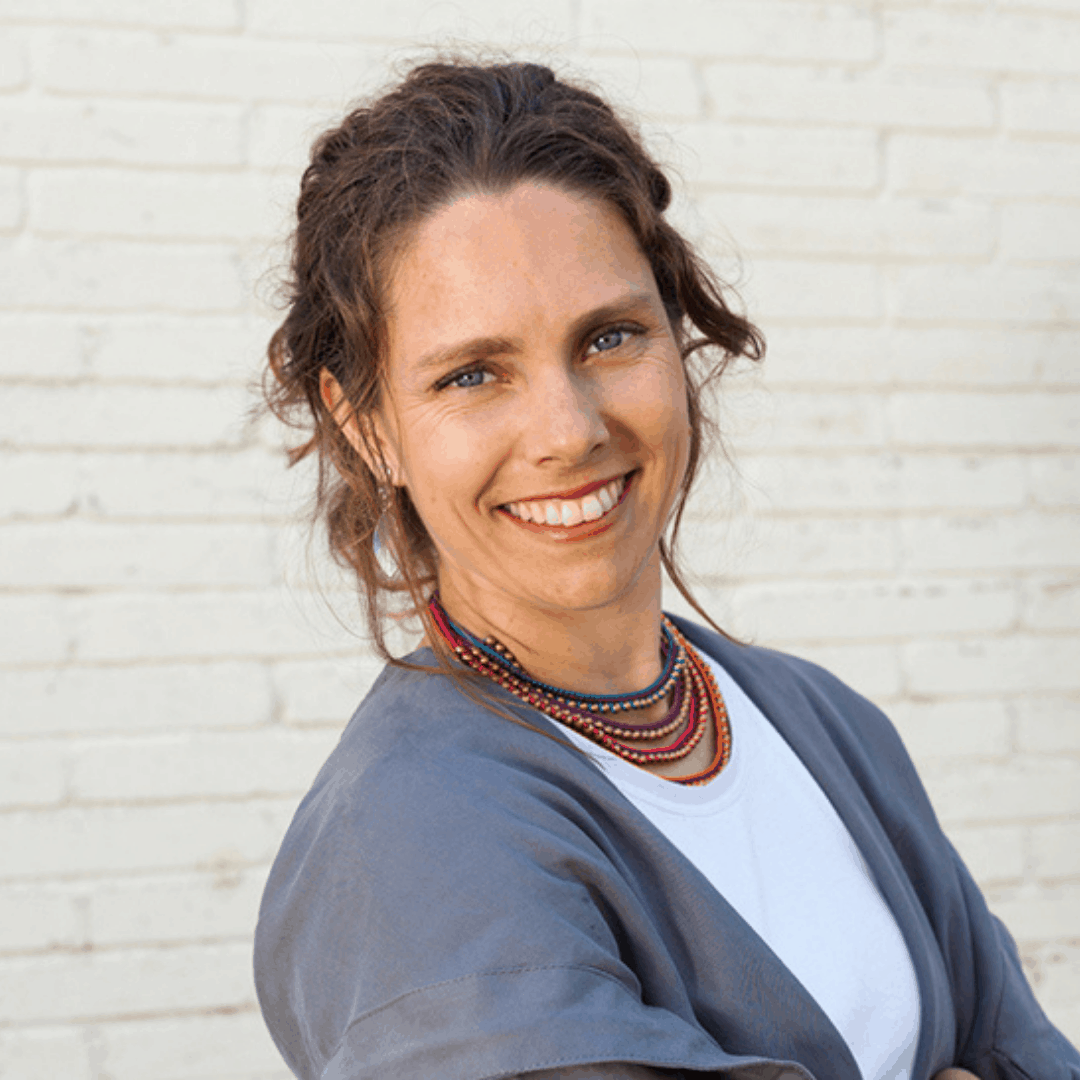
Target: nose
564 419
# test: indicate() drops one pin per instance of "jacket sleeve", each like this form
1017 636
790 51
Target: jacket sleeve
1002 1032
1009 1037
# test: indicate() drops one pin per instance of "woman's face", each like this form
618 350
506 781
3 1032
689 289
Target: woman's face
535 403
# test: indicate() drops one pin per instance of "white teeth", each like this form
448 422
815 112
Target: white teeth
565 512
571 514
592 508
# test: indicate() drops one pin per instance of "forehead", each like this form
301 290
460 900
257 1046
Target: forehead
510 263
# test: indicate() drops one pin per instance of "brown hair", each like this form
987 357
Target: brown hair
450 127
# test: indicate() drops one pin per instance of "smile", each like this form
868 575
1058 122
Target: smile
566 513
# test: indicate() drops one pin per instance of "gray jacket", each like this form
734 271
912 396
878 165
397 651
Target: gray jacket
461 898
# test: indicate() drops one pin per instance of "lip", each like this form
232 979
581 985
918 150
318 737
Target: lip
584 529
577 493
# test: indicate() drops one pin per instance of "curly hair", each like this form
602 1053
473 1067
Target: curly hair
452 127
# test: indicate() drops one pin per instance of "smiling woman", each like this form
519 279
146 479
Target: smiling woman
569 835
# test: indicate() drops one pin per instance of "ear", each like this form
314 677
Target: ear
350 423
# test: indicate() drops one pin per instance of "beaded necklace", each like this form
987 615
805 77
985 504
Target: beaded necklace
696 700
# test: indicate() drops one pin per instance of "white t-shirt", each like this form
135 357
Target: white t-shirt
768 839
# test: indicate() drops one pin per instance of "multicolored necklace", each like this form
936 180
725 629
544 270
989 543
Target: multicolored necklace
696 701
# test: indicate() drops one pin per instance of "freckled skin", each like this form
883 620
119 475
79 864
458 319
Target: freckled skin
578 378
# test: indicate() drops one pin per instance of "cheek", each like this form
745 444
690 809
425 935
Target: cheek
451 456
656 406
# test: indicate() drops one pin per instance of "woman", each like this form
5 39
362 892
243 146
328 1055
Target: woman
569 836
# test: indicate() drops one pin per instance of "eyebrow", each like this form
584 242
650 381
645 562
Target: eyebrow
483 348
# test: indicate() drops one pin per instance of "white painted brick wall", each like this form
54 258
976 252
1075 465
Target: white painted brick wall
896 188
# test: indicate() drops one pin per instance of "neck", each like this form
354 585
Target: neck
610 649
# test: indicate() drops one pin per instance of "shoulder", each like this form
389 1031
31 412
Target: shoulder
440 843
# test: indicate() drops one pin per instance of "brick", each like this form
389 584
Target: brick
199 764
232 624
79 554
148 65
808 159
233 484
125 983
1040 107
12 209
171 349
37 484
966 729
117 132
999 420
34 630
937 356
646 86
324 691
943 165
942 356
153 205
1055 479
1042 913
797 420
872 670
1013 293
858 610
192 1048
1052 604
788 547
1011 792
993 853
872 97
799 289
1048 725
123 416
1060 369
42 348
31 773
280 137
972 40
14 70
39 918
73 841
96 555
777 225
1055 849
145 698
1041 7
780 31
508 21
886 482
1040 233
44 1053
1012 665
991 542
196 15
177 909
118 276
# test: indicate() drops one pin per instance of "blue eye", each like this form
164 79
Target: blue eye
609 339
466 380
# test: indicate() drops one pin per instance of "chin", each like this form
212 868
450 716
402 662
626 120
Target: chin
589 588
